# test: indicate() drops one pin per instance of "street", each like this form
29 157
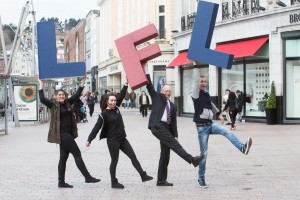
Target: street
271 170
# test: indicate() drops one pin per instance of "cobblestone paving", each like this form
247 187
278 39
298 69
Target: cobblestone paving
28 164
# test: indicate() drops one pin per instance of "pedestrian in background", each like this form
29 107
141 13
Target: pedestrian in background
91 103
225 98
241 102
111 124
144 103
132 99
232 105
83 98
127 99
63 131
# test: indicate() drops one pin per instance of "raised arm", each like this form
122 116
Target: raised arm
43 99
195 84
76 96
122 94
150 87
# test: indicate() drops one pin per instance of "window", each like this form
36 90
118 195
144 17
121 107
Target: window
161 9
77 47
257 86
162 30
292 83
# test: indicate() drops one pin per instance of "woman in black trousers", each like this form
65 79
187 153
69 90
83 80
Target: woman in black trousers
232 103
63 131
112 127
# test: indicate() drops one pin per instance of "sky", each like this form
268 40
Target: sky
10 10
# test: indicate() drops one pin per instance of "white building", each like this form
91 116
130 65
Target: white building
92 48
264 38
119 18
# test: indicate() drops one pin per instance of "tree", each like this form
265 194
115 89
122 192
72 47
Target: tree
271 101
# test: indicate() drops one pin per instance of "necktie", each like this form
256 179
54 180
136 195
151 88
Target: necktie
168 114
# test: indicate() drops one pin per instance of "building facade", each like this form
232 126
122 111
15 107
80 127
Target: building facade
264 39
119 18
92 48
74 52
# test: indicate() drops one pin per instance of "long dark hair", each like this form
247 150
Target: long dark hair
231 96
103 106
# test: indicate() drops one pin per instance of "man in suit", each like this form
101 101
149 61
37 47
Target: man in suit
163 125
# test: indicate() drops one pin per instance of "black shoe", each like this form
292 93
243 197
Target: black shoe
247 146
228 123
201 183
163 183
196 160
92 180
145 177
64 185
115 184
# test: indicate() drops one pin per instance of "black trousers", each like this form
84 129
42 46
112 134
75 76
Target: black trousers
114 147
67 146
144 110
91 108
167 142
232 114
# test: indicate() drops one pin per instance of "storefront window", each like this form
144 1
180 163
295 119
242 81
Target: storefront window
232 80
187 83
159 77
292 78
257 86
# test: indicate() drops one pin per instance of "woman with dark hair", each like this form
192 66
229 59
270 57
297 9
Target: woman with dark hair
232 104
112 127
63 130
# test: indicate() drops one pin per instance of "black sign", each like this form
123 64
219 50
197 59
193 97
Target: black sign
294 18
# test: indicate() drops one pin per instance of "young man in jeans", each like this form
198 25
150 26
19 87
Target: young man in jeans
204 111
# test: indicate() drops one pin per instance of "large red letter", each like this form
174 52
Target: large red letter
132 58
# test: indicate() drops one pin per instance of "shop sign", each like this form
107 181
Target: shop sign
113 68
294 18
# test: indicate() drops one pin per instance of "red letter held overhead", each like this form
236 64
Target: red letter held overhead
132 58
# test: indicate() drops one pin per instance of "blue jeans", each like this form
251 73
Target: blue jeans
126 104
203 135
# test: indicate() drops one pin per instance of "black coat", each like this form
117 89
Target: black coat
141 100
159 102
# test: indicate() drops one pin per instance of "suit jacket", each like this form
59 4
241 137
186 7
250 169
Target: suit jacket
159 102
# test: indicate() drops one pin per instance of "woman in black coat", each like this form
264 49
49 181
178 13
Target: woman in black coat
233 108
112 127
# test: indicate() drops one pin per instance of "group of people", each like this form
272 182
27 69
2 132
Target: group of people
233 106
162 124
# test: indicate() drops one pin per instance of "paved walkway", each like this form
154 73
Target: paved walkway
28 164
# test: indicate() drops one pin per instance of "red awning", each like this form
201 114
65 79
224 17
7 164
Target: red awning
242 48
181 59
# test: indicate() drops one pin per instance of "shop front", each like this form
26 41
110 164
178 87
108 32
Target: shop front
266 48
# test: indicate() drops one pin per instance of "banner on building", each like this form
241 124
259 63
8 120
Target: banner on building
26 102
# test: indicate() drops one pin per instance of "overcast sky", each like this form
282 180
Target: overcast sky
10 10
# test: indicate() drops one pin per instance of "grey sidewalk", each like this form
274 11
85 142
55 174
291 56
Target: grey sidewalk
28 164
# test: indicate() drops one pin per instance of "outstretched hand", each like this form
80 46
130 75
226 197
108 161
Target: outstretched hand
87 144
41 84
83 80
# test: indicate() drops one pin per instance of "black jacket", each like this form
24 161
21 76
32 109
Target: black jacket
100 124
141 100
159 102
